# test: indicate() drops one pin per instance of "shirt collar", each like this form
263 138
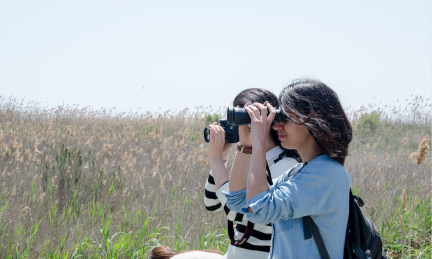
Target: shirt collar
273 153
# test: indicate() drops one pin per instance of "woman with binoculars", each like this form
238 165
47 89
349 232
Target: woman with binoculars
316 189
319 130
278 159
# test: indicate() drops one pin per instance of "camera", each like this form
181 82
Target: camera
231 132
239 116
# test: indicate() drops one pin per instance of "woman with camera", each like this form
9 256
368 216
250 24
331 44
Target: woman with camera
278 160
317 127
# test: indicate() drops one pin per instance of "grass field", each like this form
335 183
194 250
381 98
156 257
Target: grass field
83 183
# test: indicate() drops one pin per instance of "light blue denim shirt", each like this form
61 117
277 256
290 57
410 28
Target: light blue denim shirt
319 189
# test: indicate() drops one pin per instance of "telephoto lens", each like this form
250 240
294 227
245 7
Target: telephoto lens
231 132
239 116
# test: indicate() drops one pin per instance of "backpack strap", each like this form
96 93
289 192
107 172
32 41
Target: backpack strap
250 225
359 252
311 229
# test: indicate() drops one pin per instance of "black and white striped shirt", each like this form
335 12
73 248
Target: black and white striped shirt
258 245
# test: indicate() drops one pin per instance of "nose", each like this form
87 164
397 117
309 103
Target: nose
277 125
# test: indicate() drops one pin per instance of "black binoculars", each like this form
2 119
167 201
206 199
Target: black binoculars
239 116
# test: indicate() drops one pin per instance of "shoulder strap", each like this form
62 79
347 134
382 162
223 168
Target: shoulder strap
311 229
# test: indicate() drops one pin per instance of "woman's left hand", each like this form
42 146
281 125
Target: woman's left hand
260 122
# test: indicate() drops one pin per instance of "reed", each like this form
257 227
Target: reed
78 182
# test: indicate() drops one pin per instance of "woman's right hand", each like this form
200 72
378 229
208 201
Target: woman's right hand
226 146
216 151
244 135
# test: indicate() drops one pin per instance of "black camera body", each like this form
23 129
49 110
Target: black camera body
231 132
239 116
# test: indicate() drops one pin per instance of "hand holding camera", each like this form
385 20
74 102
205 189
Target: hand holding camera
218 148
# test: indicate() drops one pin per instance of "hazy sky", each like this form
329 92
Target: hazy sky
176 54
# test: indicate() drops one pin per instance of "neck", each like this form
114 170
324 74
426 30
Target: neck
309 151
270 144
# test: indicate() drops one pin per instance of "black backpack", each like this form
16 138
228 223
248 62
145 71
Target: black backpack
362 238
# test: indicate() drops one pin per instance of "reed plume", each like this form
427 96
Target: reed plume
420 155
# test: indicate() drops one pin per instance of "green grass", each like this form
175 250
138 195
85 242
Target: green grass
136 233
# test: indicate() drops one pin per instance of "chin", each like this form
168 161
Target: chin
286 145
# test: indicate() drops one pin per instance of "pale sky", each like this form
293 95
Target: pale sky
177 54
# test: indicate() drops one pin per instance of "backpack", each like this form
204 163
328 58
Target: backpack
362 239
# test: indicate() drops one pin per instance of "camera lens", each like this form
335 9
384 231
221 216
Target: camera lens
207 134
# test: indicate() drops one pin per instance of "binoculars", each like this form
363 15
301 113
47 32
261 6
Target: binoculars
239 116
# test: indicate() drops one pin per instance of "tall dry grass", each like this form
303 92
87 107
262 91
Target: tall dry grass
80 182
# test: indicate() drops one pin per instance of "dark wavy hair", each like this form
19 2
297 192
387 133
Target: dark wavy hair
318 107
260 95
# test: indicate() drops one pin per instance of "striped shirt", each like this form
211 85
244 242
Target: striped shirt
258 245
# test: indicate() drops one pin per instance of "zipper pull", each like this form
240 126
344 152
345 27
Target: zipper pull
368 254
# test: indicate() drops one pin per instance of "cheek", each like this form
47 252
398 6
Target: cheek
298 134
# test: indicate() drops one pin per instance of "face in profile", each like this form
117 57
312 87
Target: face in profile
291 135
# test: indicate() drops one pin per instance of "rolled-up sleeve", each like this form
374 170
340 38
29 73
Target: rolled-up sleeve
304 194
235 200
269 206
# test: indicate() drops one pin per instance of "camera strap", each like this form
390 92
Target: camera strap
269 176
250 225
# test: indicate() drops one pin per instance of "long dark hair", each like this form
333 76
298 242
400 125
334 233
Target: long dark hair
260 95
318 107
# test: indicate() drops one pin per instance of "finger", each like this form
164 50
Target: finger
221 134
256 111
218 128
250 111
263 110
215 129
212 130
212 135
272 110
215 123
259 105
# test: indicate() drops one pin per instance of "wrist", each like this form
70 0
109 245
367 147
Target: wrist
244 144
259 147
215 160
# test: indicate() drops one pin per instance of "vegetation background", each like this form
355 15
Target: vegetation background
77 182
